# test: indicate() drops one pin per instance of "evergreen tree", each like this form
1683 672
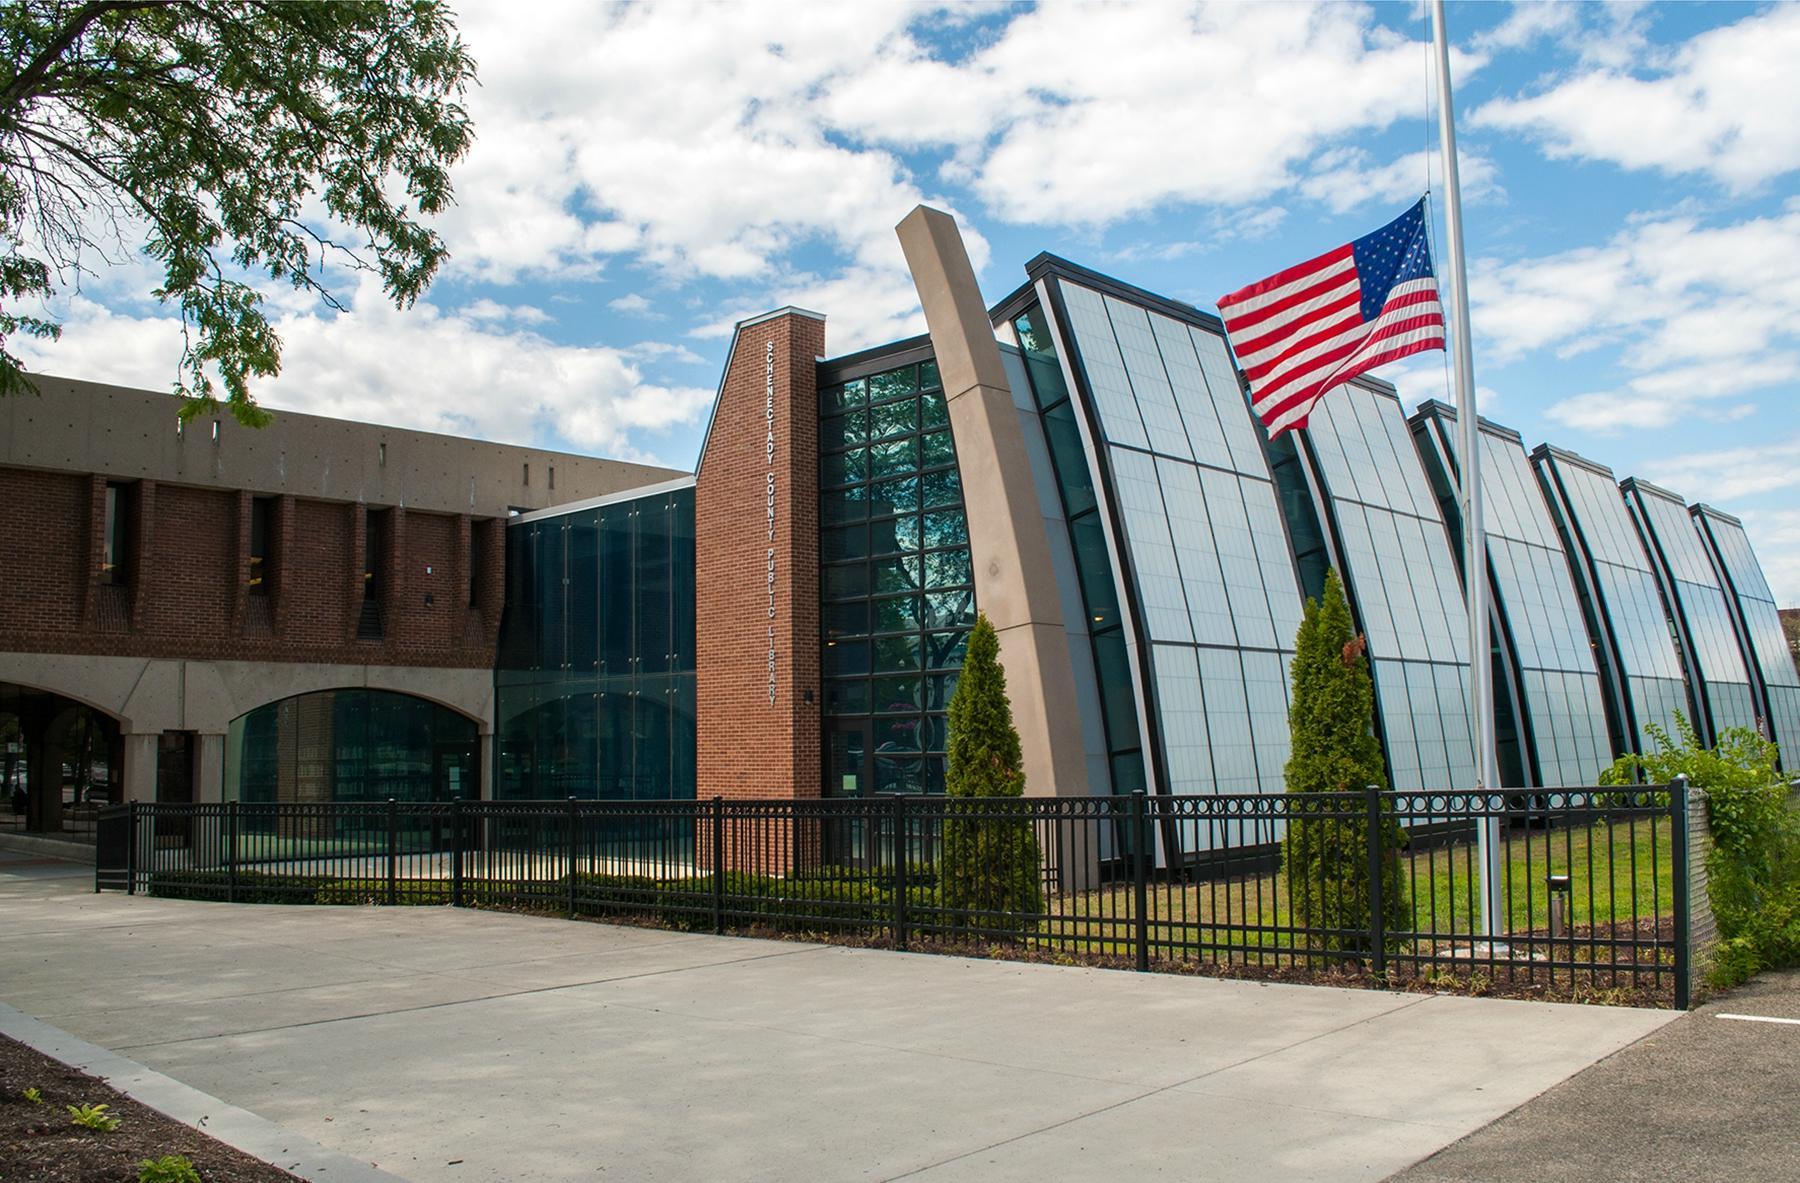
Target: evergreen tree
1335 751
991 858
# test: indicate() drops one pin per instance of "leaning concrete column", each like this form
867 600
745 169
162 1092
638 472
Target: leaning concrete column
1015 584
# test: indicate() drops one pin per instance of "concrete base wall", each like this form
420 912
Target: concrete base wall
149 696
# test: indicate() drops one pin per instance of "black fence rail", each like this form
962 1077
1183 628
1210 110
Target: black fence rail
1588 895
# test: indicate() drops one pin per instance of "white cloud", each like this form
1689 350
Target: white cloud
422 368
1345 178
1701 315
632 305
1729 473
1775 534
492 311
1724 105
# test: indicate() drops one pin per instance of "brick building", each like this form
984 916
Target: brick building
338 610
164 580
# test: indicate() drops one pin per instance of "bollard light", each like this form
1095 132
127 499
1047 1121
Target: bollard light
1559 886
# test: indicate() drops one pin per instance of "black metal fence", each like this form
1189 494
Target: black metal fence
1589 896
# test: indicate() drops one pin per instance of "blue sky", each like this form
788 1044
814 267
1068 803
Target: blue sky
647 175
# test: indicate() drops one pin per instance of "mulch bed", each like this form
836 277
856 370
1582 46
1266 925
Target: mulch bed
39 1145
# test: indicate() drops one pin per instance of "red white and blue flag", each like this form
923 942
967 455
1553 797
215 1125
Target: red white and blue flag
1319 324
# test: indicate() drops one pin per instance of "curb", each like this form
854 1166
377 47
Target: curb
237 1128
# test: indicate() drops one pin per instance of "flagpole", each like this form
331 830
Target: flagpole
1468 422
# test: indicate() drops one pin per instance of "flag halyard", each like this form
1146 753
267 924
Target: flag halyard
1320 323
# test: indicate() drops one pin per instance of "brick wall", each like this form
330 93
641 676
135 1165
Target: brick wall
749 746
187 594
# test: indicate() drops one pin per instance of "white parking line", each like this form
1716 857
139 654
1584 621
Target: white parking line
1761 1019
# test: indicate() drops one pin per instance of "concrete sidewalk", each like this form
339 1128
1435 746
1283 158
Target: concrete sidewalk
461 1045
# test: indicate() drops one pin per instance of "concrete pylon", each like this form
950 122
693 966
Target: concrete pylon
1015 584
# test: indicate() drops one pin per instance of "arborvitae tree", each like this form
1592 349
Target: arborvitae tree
990 862
1335 751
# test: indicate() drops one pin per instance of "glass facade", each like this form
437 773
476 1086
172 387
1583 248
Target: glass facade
896 585
1621 602
1548 658
1762 641
1193 518
1402 578
595 685
1696 603
350 745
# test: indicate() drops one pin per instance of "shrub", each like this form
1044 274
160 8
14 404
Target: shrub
1335 751
1753 870
253 887
170 1168
93 1117
990 855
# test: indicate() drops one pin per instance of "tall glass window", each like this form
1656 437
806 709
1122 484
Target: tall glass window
115 533
1549 658
595 685
1403 582
261 530
1621 602
1697 602
1763 642
896 584
350 745
1205 552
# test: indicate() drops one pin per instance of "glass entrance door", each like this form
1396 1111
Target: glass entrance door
849 774
849 770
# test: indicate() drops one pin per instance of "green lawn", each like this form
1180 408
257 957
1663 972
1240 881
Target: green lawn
1607 865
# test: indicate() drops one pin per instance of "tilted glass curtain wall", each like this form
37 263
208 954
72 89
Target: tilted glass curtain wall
1697 606
595 685
1763 642
350 745
1621 603
1402 579
1104 619
1548 656
1207 562
898 596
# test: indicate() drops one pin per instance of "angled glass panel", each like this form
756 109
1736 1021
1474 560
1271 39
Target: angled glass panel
1700 606
1403 582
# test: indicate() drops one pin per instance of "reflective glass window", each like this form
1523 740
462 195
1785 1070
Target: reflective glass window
904 580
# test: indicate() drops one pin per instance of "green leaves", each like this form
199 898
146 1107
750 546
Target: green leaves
1753 869
1335 751
990 861
227 137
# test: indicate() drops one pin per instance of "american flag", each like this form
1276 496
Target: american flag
1320 323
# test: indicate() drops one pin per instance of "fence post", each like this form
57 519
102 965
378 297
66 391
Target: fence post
1377 925
1684 903
899 849
393 851
573 854
231 851
131 849
718 863
1140 873
456 857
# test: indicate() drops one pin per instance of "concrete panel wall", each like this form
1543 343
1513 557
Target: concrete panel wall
88 427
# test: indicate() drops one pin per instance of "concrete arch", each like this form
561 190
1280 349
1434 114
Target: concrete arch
247 686
69 691
439 702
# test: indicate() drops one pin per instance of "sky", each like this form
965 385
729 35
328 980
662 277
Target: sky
645 176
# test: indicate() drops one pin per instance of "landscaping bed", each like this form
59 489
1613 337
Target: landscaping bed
40 1144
